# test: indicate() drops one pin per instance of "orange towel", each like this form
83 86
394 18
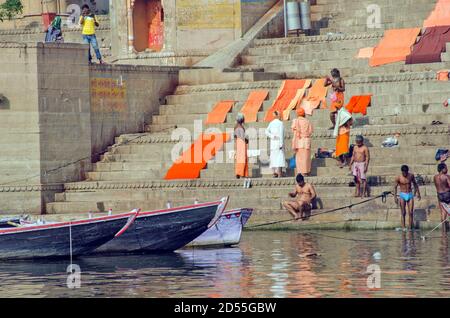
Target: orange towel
294 103
220 111
365 53
440 16
443 75
359 104
286 94
317 95
394 47
193 160
253 105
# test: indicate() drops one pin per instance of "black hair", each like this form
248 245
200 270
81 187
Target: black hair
441 167
335 73
85 6
300 178
405 168
359 138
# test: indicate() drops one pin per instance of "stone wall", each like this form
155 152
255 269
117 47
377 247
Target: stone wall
56 112
253 10
124 97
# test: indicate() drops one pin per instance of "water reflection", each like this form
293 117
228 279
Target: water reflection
266 264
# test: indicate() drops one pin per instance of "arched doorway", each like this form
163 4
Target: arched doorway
148 25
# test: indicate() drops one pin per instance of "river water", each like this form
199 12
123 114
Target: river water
266 264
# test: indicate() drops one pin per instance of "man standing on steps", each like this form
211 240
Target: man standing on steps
442 184
406 181
275 132
304 194
88 22
359 165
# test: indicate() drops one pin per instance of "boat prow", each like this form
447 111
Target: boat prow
62 239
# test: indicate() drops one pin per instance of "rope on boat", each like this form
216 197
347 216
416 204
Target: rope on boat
383 197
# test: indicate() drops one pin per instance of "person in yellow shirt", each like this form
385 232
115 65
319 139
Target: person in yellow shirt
88 22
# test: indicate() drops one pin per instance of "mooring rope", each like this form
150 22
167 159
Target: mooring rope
383 197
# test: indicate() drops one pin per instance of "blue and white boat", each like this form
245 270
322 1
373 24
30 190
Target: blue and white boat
226 232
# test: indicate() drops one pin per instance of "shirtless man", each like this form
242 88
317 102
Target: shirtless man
359 165
304 194
442 183
338 85
406 181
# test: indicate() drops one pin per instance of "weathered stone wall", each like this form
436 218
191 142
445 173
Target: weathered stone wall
19 126
253 10
56 112
124 97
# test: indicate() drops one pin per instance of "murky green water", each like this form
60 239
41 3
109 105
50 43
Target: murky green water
266 264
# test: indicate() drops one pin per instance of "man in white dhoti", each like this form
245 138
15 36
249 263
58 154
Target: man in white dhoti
275 131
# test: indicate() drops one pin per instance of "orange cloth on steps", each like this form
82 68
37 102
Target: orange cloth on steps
394 47
241 162
440 16
365 53
286 94
193 160
220 111
359 104
253 105
317 95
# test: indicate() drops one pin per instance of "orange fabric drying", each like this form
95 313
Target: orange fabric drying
286 94
359 104
443 75
365 53
394 47
220 111
317 95
193 160
253 105
294 103
440 16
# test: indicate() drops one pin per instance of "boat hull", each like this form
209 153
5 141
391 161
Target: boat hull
226 232
163 231
54 240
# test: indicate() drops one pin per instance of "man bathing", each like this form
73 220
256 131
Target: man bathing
406 181
304 194
442 183
359 165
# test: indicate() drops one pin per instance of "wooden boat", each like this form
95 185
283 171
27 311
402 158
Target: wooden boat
226 232
62 239
166 230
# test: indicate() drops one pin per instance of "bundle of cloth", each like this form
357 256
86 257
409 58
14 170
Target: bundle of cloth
430 46
442 155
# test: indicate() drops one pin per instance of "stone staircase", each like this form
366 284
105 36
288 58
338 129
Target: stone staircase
406 100
351 17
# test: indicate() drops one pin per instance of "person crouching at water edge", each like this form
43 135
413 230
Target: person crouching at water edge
304 195
406 181
301 142
344 122
442 184
359 165
241 146
275 132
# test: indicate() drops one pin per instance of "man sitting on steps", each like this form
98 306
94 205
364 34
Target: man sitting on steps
304 194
